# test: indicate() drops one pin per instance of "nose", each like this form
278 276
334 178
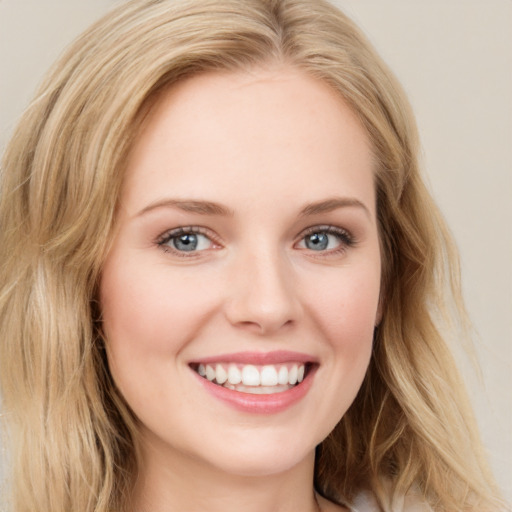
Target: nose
262 295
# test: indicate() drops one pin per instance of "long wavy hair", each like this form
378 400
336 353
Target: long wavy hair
70 434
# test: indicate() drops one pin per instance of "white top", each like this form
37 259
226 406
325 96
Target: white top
365 502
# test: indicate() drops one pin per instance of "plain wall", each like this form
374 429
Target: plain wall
454 58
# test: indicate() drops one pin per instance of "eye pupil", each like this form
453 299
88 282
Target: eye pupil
317 241
185 242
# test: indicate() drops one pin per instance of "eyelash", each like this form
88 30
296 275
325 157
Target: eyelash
345 238
168 236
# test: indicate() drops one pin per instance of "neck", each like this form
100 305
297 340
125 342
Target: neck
181 483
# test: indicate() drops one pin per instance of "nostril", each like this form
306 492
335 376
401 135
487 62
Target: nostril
265 325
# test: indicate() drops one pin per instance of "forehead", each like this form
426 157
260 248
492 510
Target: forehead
275 131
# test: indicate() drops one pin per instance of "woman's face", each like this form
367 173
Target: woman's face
247 249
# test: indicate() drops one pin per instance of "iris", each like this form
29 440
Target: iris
317 241
185 242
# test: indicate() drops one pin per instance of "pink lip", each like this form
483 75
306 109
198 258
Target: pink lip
260 404
258 358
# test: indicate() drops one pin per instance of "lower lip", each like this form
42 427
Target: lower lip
260 404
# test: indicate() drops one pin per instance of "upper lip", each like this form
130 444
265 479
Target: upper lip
258 358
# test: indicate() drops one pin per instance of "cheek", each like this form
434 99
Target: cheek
346 312
149 314
347 309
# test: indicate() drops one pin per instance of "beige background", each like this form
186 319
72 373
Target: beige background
454 58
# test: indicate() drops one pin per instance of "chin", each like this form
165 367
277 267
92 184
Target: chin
262 465
262 455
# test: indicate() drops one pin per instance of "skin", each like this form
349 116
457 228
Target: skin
263 145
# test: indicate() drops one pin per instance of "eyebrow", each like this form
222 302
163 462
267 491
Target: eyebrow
211 208
331 204
188 205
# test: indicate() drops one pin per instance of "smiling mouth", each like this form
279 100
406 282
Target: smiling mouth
254 379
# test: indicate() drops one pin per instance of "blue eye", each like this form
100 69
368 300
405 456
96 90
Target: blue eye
327 238
185 240
318 241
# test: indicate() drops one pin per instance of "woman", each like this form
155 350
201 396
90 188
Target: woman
223 280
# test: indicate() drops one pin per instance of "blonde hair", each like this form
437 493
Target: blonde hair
71 435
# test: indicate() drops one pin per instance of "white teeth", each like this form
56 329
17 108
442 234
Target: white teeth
210 372
292 375
242 377
234 375
269 376
221 375
282 377
250 375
